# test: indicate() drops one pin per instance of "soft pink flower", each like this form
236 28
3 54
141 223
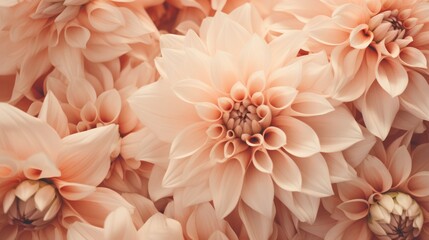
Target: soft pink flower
39 35
239 110
389 198
379 53
47 182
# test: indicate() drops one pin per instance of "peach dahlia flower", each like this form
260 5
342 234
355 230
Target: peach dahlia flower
389 199
379 52
48 183
246 119
41 34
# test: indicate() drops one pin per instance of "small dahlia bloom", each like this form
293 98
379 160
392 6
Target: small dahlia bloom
42 34
379 52
47 182
237 109
389 198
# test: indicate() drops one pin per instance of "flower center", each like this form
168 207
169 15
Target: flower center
242 119
395 215
391 25
32 204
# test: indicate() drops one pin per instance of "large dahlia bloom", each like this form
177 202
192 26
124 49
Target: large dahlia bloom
379 52
39 35
389 199
238 110
48 183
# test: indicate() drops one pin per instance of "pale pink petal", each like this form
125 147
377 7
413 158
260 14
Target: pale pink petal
361 37
301 140
80 92
414 99
40 166
119 225
257 225
339 168
413 57
379 110
23 135
301 9
95 207
52 113
155 186
194 91
382 181
220 185
73 191
336 130
76 36
326 31
391 76
258 191
419 157
108 105
196 194
202 222
286 173
253 56
417 184
315 176
144 207
338 232
67 60
303 206
82 231
355 209
400 166
160 227
286 47
152 104
354 189
224 72
356 153
350 15
189 140
79 162
310 104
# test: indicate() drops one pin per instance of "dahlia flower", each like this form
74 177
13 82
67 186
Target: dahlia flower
379 53
236 109
389 198
38 35
46 182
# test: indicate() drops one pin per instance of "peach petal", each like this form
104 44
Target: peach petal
233 147
80 93
218 151
88 113
417 184
194 91
220 181
40 166
326 31
280 98
400 166
391 76
302 140
255 140
286 47
310 104
412 57
336 130
26 189
216 131
194 195
355 209
262 161
258 191
256 82
76 36
414 99
73 191
257 225
155 188
419 156
303 206
286 173
52 113
274 138
104 17
224 72
208 112
253 56
379 110
350 15
189 140
44 197
382 181
361 37
238 92
79 162
24 135
315 176
8 200
202 222
339 169
109 106
160 227
119 224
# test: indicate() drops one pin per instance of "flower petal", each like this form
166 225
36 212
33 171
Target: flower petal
414 99
379 110
40 166
391 76
119 225
413 57
400 166
310 104
23 135
160 227
302 140
355 209
376 174
286 173
258 191
52 113
84 231
417 184
257 225
189 140
79 162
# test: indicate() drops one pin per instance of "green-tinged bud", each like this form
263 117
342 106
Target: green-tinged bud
395 215
32 204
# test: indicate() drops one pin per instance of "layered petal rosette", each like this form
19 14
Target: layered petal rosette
389 198
379 52
246 120
48 183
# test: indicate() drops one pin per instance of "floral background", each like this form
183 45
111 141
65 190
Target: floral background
214 119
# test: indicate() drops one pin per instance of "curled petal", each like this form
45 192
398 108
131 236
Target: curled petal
280 98
286 173
40 166
355 209
208 112
109 106
412 57
417 184
310 104
414 99
315 176
52 113
274 138
189 141
382 181
361 37
391 76
76 36
262 161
